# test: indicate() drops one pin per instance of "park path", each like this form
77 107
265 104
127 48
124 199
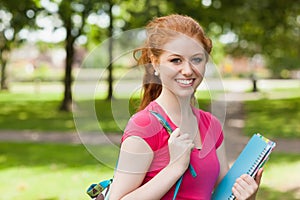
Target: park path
233 131
235 140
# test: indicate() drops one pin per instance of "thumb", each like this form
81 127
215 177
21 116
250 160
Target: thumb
175 133
258 176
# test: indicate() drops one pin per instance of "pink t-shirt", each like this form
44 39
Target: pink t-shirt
204 161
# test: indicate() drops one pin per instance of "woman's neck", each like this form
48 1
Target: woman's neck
177 108
180 112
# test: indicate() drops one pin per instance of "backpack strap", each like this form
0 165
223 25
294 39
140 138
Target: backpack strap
167 126
96 189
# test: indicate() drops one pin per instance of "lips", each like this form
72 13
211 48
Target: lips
185 81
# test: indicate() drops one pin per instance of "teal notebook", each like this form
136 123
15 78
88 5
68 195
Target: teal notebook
253 157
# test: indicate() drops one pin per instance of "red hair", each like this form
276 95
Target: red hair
159 32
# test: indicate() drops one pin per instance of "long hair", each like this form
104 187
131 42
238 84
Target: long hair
159 32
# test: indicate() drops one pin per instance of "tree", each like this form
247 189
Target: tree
267 27
15 16
131 14
136 17
141 11
73 15
110 53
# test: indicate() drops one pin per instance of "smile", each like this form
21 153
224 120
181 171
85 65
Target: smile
185 81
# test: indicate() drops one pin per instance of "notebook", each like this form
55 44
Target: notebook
253 157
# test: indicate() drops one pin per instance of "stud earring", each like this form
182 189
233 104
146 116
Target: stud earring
156 73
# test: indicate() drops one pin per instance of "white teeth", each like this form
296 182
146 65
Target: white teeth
184 81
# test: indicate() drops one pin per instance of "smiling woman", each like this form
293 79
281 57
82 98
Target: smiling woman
181 66
191 161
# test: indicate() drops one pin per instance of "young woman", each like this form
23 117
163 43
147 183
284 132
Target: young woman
151 160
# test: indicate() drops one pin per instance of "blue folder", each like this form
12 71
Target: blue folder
253 157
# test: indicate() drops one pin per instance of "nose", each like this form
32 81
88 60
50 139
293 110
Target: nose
187 69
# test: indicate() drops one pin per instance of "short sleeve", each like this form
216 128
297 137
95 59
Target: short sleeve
144 125
217 131
220 140
211 132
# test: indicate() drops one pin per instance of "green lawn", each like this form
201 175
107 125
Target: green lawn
59 171
49 171
33 112
39 112
281 178
273 118
32 171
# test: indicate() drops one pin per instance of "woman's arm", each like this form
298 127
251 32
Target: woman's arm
134 161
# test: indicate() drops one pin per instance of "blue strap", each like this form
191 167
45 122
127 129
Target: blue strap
170 130
162 120
192 170
178 183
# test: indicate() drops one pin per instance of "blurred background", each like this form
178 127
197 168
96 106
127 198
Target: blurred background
48 45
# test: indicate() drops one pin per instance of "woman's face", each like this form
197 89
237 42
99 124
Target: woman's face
181 66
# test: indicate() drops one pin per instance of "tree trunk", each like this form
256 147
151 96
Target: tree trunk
110 53
3 84
3 61
67 101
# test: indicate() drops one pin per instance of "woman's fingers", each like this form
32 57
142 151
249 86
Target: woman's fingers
180 146
174 134
258 176
244 187
179 137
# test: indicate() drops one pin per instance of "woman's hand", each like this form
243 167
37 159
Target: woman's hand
246 187
180 146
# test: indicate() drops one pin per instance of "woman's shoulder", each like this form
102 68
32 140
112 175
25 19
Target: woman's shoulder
144 117
143 122
146 126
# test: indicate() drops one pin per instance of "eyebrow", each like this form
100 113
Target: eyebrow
179 55
200 54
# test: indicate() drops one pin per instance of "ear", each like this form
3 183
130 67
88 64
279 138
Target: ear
154 62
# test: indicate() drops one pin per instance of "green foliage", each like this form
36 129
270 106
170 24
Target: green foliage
273 118
22 14
14 17
270 28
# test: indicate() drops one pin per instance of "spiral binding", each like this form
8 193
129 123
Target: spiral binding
252 169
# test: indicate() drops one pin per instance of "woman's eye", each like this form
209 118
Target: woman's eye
175 60
196 60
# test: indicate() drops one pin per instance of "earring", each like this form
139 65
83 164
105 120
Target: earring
156 73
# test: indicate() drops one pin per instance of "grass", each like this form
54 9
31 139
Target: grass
273 118
32 171
281 178
50 171
39 112
59 171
